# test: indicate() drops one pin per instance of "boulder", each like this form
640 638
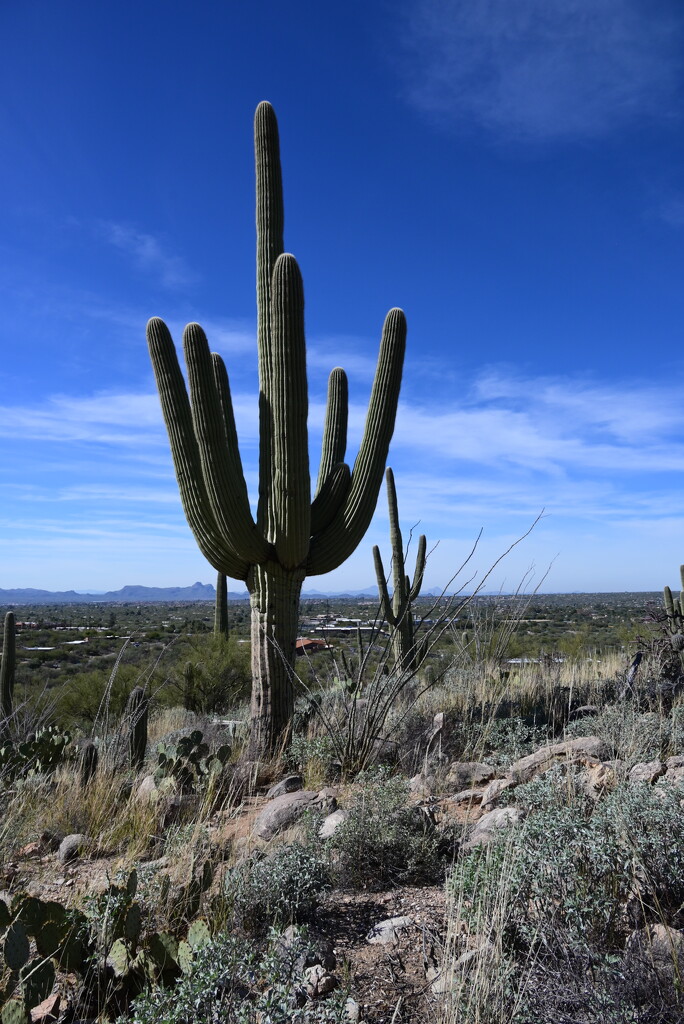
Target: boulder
282 812
388 931
330 824
319 982
71 847
493 791
647 771
490 823
465 774
290 784
576 750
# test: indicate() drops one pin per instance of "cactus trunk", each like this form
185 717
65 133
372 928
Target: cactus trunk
7 667
291 536
275 594
221 612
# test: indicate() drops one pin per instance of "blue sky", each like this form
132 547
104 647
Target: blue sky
510 172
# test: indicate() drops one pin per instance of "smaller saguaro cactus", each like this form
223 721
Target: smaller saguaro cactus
7 667
87 763
397 610
674 609
221 613
136 711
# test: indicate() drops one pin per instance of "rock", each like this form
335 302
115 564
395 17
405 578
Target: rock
147 790
598 779
47 1011
468 796
326 800
290 784
422 786
487 827
674 775
464 774
282 812
353 1010
385 932
675 762
662 948
319 982
71 847
494 790
647 771
534 764
444 981
330 824
583 712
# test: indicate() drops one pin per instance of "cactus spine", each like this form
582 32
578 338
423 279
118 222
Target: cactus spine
221 612
137 711
397 610
292 536
7 667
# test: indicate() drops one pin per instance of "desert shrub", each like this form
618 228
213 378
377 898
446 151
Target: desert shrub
383 839
234 981
633 735
280 889
570 877
212 673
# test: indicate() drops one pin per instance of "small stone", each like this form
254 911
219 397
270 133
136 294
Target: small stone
71 847
47 1011
319 982
330 824
385 932
290 784
353 1010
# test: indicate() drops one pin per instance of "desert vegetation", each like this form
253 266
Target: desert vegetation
449 808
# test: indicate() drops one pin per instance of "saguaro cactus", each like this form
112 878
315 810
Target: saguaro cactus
137 713
397 610
221 610
674 609
292 536
7 667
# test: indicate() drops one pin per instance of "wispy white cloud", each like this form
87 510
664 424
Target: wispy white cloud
545 69
148 254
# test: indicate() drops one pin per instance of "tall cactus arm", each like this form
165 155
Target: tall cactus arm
329 499
221 465
223 388
669 603
270 218
420 568
399 576
185 453
385 602
7 666
337 542
290 494
334 445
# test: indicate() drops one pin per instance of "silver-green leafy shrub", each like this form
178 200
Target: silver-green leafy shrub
234 981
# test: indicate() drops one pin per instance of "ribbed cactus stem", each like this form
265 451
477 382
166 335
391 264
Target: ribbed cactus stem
221 611
291 535
8 667
397 610
88 763
137 714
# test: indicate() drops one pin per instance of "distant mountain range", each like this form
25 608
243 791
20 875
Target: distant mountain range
149 595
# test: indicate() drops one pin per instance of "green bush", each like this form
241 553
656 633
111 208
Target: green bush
233 981
280 889
384 840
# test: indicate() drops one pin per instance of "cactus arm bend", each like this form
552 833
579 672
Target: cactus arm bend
334 445
337 542
270 219
290 496
221 465
383 592
329 499
185 453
